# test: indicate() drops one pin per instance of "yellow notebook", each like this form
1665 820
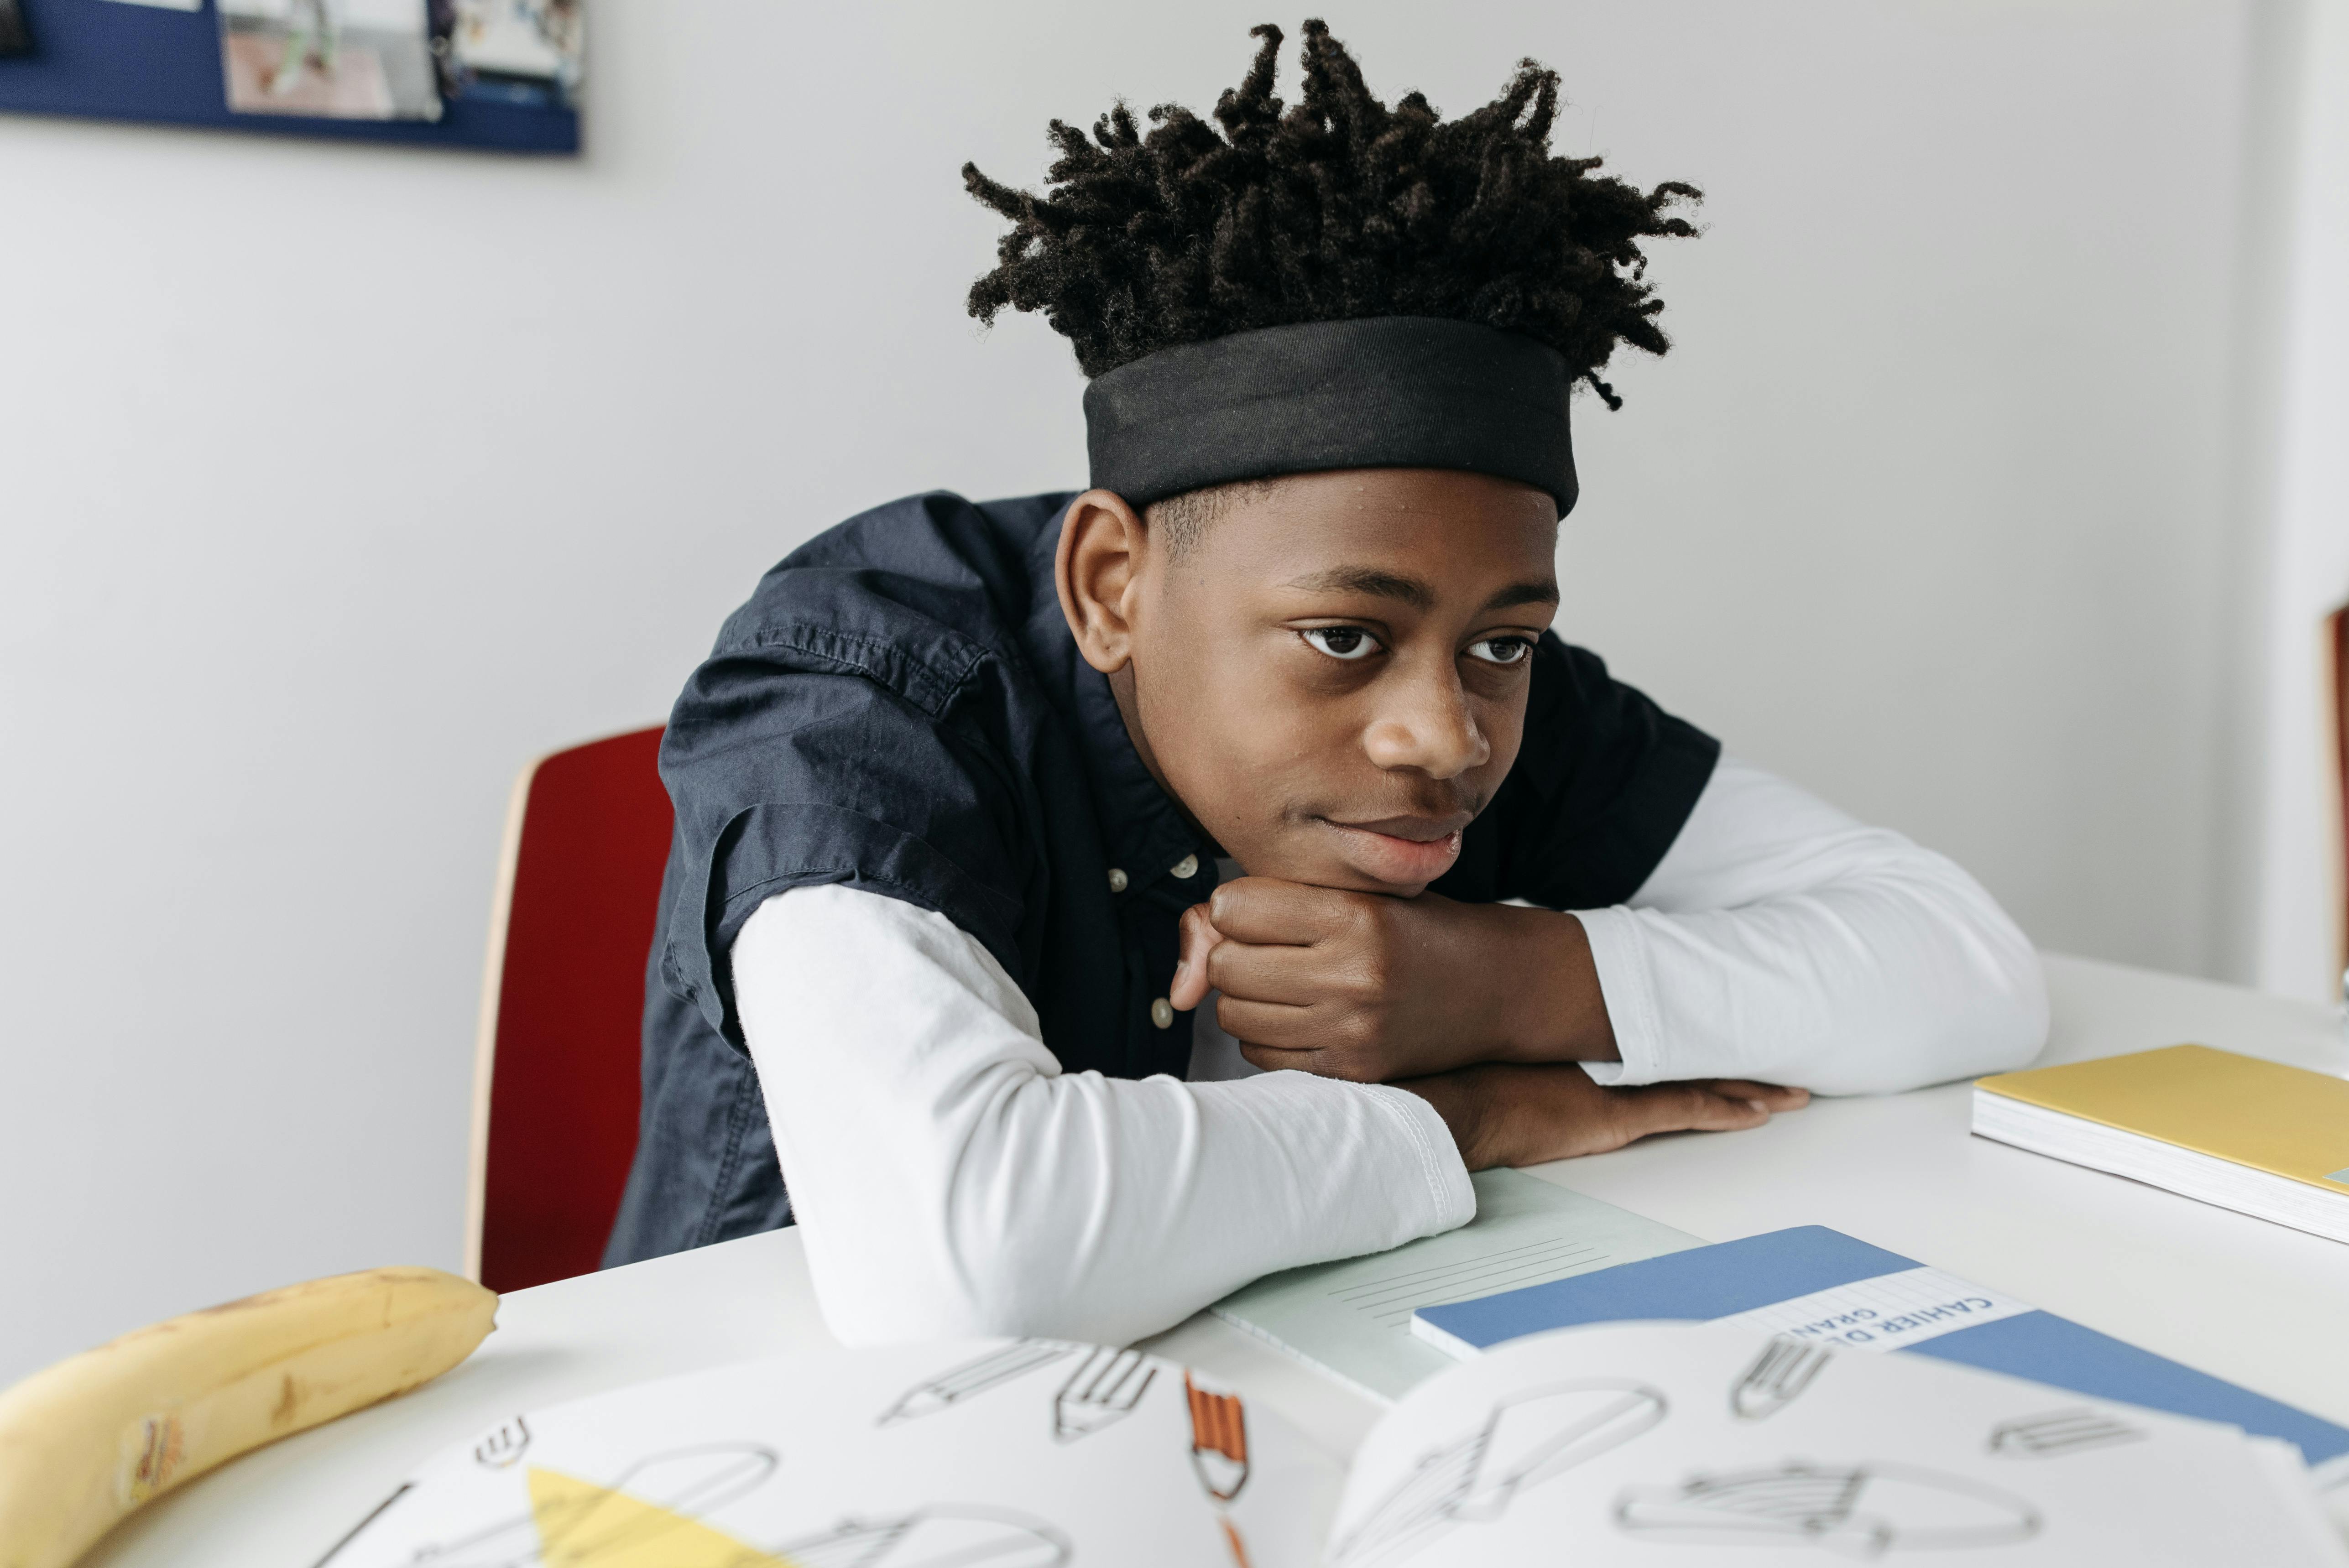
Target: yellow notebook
2249 1135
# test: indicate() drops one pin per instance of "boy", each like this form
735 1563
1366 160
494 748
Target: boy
1099 899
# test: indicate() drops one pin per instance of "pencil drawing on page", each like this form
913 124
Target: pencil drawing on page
1102 1391
1526 1439
1863 1511
501 1447
571 1520
1777 1378
959 1536
2060 1432
972 1378
657 1512
1219 1452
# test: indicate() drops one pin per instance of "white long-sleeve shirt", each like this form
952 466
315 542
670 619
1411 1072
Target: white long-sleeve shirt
949 1179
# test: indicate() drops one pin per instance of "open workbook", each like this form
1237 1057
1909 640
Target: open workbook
1654 1444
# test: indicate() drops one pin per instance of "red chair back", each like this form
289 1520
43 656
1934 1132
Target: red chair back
555 1089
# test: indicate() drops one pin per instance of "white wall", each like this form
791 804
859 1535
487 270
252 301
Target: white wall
339 480
1928 508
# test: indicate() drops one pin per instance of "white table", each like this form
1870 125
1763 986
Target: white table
2256 1303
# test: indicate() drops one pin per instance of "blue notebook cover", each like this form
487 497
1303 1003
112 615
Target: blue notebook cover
1926 1313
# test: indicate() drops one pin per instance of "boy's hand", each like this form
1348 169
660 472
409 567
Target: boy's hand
1364 986
1502 1114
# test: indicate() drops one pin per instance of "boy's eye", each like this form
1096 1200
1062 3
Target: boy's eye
1348 642
1501 650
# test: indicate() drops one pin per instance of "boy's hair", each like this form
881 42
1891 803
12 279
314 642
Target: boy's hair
1179 521
1339 209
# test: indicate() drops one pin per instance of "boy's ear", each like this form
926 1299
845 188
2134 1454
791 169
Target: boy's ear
1104 545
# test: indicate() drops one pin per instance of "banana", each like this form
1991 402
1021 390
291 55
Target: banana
86 1441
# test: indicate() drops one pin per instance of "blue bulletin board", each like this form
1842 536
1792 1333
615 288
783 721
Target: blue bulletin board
300 67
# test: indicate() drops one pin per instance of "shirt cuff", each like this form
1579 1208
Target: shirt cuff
1451 1197
1618 953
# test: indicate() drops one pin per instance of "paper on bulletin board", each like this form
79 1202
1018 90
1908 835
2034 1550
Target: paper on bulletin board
332 60
401 72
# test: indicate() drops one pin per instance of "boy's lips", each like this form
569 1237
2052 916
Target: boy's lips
1402 852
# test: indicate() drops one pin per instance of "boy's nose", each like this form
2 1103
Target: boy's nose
1427 727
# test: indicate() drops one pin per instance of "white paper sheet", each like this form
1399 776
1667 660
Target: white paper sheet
1001 1453
1698 1444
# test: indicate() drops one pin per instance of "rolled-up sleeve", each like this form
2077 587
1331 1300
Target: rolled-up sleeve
951 1179
1779 939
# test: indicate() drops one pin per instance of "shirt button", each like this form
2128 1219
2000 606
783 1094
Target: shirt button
1161 1013
1186 868
1116 879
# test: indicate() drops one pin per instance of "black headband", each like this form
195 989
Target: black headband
1385 392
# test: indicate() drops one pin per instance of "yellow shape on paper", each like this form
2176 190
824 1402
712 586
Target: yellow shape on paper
580 1524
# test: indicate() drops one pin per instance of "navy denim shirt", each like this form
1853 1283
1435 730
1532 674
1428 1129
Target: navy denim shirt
901 707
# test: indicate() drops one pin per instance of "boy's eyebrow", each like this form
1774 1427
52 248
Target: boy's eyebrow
1531 591
1415 591
1368 579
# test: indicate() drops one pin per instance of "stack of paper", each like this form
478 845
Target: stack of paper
1813 1286
1663 1444
2249 1135
1648 1445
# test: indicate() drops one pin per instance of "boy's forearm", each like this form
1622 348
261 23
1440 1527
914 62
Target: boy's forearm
1501 1113
949 1180
1551 1006
1465 1101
